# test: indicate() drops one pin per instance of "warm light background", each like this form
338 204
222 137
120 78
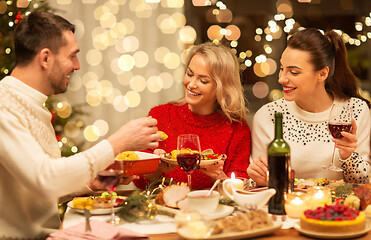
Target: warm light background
132 51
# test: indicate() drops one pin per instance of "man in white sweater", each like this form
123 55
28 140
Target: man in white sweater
33 175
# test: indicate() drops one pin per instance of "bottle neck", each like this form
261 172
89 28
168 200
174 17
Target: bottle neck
278 127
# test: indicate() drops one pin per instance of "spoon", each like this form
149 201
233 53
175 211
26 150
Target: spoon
212 188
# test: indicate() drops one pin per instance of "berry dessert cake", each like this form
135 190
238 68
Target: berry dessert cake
337 218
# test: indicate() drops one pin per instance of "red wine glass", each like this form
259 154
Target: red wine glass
340 121
189 156
110 178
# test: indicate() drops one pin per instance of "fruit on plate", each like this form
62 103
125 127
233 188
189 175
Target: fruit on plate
127 155
207 154
83 202
308 183
163 136
99 202
337 218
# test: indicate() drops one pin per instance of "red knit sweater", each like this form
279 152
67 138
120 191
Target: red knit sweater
215 132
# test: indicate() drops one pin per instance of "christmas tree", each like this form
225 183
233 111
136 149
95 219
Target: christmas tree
11 13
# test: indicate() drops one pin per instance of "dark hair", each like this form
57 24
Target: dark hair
37 31
328 50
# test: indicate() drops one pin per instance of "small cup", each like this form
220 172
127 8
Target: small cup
199 201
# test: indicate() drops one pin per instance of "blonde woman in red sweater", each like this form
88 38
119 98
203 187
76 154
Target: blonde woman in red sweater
213 108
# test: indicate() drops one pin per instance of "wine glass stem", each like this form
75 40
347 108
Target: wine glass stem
333 157
189 181
113 216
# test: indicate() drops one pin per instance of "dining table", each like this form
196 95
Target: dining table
280 234
163 227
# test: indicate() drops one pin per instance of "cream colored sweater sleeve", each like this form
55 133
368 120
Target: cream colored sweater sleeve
22 156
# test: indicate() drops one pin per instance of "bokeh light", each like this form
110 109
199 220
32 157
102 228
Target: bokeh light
63 109
141 59
132 99
91 133
214 32
260 89
187 34
102 127
126 62
154 84
138 83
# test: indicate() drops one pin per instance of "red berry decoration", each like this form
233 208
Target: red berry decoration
337 212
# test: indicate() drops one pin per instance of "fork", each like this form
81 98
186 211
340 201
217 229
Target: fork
87 220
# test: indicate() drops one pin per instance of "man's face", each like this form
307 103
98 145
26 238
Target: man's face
65 63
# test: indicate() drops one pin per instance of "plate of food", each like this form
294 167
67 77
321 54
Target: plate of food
208 157
173 199
96 205
250 224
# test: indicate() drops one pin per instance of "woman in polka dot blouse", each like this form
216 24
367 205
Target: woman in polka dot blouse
314 75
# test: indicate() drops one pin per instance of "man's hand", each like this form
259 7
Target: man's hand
138 134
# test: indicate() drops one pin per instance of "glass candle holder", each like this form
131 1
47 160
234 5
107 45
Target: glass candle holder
318 197
190 223
182 218
295 204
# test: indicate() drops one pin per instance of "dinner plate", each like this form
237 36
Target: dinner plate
339 235
202 163
235 235
98 211
221 211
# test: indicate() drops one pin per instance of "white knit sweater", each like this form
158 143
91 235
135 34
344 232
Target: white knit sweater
33 175
310 141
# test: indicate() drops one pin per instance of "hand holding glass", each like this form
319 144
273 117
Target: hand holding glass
340 121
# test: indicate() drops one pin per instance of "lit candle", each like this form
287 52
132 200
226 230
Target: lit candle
237 183
318 197
295 204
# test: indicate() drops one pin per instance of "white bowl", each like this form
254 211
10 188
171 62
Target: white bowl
199 201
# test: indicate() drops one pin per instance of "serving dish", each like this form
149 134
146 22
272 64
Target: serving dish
234 235
202 162
146 163
97 211
323 235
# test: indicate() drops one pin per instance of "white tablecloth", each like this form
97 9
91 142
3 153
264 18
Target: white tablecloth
160 224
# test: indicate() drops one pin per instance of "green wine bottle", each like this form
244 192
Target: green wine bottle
279 168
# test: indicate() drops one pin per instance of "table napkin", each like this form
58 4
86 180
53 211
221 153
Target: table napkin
99 230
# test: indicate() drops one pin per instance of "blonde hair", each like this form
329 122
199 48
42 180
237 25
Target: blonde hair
224 70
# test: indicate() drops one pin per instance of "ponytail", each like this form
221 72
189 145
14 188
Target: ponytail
343 83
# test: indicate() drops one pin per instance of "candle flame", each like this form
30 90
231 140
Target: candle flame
319 195
233 176
297 201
